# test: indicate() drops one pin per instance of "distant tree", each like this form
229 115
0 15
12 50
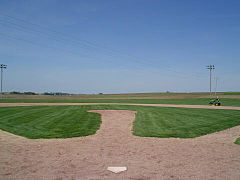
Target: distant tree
30 93
60 94
15 92
55 93
47 93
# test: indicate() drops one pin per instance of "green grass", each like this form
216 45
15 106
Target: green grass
190 101
231 93
184 123
49 122
73 121
237 141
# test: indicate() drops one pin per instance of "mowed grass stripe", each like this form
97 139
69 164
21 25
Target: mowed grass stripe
49 122
183 123
74 121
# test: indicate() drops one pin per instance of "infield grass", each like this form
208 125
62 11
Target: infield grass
74 121
237 141
49 122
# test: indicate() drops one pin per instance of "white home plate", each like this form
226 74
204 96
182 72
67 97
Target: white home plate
117 169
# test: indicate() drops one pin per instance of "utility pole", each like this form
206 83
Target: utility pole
2 66
210 67
216 78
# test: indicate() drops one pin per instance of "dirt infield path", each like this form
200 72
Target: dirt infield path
213 156
157 105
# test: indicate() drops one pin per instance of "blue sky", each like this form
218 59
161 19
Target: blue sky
119 46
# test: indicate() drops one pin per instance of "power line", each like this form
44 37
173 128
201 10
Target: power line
23 29
39 44
62 37
87 44
62 49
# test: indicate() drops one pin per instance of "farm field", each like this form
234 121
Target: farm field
125 96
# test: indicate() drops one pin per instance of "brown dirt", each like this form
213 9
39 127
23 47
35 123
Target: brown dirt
213 156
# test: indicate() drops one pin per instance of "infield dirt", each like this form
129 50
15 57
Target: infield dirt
213 156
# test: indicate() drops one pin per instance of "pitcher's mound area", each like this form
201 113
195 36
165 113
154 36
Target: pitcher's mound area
213 156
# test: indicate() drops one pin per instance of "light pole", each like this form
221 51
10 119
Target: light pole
2 66
210 67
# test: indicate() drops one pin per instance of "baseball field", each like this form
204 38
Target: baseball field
156 136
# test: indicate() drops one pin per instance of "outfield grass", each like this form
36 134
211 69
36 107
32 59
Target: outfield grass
237 141
231 93
73 121
187 101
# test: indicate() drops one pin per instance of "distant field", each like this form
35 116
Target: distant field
73 121
231 93
125 96
110 95
187 101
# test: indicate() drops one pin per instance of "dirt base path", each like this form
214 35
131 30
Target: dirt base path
213 156
130 104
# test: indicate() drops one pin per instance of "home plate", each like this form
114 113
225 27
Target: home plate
117 169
